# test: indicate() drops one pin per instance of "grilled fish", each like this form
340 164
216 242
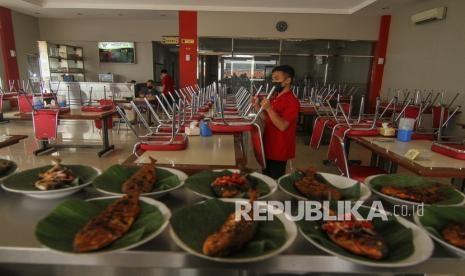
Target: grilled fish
428 195
358 237
55 178
143 180
230 185
233 235
109 225
454 234
310 187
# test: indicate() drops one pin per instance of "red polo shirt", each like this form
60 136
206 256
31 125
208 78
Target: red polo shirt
280 145
168 82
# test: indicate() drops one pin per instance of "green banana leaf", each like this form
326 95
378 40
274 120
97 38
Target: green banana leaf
58 229
437 217
287 183
24 181
201 183
10 170
399 238
113 178
193 226
452 195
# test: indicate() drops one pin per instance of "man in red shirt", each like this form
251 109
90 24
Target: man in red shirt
167 83
281 115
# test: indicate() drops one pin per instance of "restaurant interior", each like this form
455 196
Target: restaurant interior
180 137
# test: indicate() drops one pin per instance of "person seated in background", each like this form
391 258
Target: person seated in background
167 85
149 90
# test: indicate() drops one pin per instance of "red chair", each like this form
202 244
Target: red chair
25 103
317 132
163 143
257 144
231 127
337 155
105 103
45 124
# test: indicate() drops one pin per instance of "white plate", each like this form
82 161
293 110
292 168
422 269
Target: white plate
181 175
422 244
163 210
52 194
272 185
337 181
397 201
291 233
454 249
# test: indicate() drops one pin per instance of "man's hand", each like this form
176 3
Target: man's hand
266 104
255 102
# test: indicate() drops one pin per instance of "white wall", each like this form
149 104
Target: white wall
311 26
428 56
87 32
26 33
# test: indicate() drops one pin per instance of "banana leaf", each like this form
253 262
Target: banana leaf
398 237
58 229
113 178
287 183
435 218
9 169
193 226
25 180
201 183
403 181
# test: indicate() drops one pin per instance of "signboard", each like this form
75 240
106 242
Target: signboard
170 40
187 41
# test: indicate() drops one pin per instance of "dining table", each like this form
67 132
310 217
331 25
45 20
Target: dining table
8 140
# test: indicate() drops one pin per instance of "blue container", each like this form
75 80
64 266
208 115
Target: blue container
404 135
205 129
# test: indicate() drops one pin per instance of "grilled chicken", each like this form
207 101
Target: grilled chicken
358 237
428 195
233 235
454 234
56 177
109 225
310 187
143 180
230 185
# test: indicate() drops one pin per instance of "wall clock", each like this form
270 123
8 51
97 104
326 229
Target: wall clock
281 26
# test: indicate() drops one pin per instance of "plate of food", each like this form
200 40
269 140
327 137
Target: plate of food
7 167
444 224
219 237
313 185
149 179
53 181
102 225
411 190
230 184
394 242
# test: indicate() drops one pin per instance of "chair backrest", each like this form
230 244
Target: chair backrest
337 154
45 124
257 144
412 112
436 115
106 102
24 103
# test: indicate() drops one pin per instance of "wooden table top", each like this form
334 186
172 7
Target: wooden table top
202 153
8 140
428 163
76 114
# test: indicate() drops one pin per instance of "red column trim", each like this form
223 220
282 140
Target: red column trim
7 42
379 60
187 48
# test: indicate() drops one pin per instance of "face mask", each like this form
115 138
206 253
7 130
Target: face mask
149 86
278 87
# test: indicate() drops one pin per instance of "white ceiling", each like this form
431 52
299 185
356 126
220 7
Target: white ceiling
154 8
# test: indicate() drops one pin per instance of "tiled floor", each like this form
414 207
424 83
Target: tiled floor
76 131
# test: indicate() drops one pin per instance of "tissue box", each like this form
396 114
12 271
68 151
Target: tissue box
192 131
387 131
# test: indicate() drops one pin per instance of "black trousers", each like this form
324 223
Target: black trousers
275 169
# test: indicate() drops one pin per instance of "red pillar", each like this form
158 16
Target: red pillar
187 48
7 43
378 61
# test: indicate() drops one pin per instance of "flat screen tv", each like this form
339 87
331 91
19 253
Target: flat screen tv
117 52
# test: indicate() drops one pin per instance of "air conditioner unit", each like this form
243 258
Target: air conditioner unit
429 15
